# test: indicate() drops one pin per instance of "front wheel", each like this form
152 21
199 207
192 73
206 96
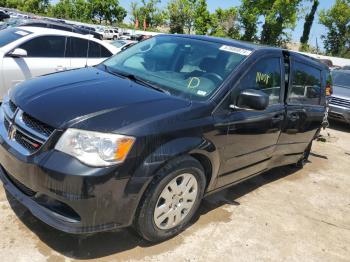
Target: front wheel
172 200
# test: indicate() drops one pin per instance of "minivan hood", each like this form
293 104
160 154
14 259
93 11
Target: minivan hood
64 99
341 92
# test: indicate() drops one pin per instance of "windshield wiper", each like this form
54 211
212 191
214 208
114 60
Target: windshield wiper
137 80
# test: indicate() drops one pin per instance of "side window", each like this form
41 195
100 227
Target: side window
97 51
77 48
306 85
265 76
105 52
45 46
94 50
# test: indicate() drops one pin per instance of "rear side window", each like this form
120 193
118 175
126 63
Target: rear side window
97 51
78 48
306 85
265 75
45 46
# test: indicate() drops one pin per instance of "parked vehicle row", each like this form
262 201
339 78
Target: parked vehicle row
340 100
141 138
27 52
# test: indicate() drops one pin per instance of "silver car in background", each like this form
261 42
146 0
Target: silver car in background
27 52
339 106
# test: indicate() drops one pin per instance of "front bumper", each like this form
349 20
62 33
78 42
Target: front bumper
68 195
339 113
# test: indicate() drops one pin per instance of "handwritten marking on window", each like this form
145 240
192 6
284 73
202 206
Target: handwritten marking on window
262 78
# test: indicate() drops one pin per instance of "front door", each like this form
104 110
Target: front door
252 135
45 55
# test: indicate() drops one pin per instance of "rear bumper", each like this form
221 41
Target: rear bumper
69 196
339 113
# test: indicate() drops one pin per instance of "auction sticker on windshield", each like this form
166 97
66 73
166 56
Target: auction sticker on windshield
236 50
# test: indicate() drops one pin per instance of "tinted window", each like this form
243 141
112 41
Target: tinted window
341 78
77 47
105 52
265 76
306 85
12 34
45 46
97 51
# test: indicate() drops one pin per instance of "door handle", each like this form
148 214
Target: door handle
278 117
61 68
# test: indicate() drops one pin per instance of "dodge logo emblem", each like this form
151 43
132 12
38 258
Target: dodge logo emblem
12 132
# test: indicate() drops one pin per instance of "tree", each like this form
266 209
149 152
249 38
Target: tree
337 22
201 17
107 10
224 23
37 6
279 15
181 15
148 11
71 9
248 16
309 19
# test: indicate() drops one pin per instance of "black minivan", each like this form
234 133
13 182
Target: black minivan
140 139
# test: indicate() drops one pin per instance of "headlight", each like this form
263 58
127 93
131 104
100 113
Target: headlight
95 148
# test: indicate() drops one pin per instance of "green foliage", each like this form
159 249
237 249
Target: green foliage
279 15
40 6
78 10
149 12
249 13
181 14
309 19
107 10
224 23
337 22
201 17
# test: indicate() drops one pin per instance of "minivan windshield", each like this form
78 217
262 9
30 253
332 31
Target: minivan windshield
341 78
10 35
182 66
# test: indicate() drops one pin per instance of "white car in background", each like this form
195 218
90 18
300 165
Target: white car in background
27 52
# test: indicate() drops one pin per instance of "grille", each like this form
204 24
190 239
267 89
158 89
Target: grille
37 125
24 189
12 106
335 115
340 102
25 141
7 124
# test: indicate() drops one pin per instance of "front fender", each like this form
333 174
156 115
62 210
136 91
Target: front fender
187 145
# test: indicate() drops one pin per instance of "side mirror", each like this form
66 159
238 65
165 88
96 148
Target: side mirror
18 52
251 99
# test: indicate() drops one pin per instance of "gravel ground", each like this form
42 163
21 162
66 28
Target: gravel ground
283 215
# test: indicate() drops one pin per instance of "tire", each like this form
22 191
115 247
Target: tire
303 160
115 38
148 222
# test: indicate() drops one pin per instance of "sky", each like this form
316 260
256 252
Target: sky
316 31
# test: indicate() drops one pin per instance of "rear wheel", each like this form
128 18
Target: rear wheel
172 200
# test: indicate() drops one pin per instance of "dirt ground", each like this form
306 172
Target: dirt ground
283 215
